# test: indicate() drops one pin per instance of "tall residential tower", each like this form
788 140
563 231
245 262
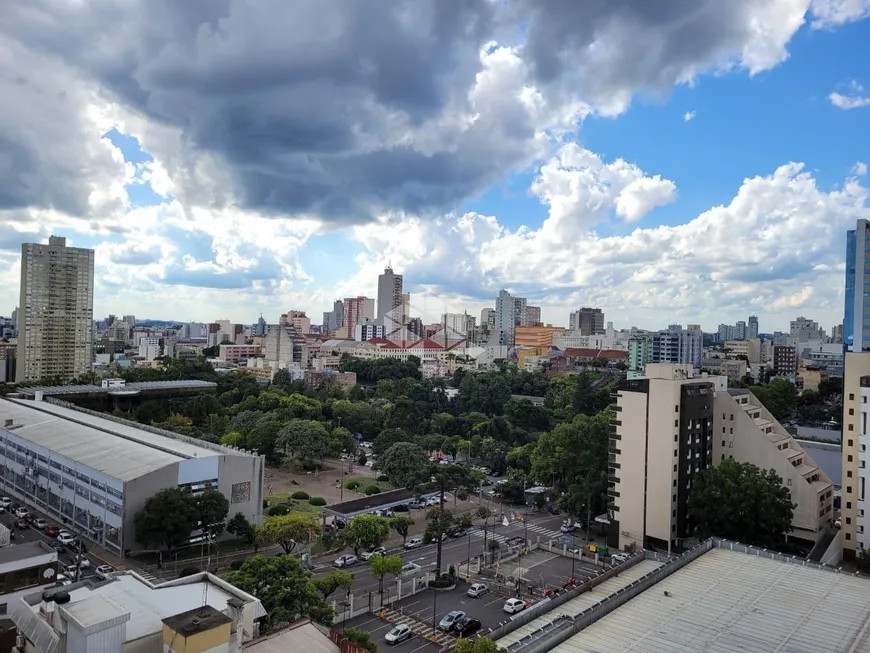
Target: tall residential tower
56 314
389 293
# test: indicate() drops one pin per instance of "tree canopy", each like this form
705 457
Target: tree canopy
286 589
289 530
405 464
739 501
167 519
366 532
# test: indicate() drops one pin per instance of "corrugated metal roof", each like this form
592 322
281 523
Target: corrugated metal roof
728 602
586 600
117 450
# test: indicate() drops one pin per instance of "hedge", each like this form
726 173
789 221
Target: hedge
300 495
383 479
278 509
352 484
372 489
317 501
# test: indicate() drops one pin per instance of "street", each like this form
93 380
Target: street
455 551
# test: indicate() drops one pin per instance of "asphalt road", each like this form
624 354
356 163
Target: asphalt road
33 535
378 628
456 551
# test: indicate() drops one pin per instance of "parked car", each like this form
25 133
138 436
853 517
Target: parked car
512 606
21 524
66 538
346 561
39 523
418 503
5 502
377 551
449 620
433 501
398 634
434 538
409 569
51 530
619 558
62 579
477 590
73 572
414 543
401 508
103 571
459 532
387 512
21 512
466 627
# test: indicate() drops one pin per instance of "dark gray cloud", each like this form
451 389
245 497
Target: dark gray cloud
327 107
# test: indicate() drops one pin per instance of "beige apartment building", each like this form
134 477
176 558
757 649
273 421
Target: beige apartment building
854 529
56 314
747 432
669 426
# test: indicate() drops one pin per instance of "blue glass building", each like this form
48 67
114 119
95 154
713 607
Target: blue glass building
856 314
849 310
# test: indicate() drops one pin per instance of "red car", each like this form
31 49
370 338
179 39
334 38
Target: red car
51 531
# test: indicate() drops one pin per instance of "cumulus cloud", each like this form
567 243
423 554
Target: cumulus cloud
689 116
341 111
832 13
853 98
774 248
859 169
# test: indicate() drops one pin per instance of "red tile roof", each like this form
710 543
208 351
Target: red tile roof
607 354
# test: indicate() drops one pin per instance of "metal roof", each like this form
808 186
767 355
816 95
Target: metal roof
730 602
144 386
118 450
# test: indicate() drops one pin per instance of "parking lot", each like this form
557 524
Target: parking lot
378 627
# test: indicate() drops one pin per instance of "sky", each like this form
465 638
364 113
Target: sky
687 161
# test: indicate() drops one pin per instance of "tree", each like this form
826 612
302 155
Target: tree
383 565
405 464
285 589
306 439
366 532
572 451
739 501
361 638
337 579
166 519
448 477
288 530
213 508
242 528
387 438
402 524
438 522
480 645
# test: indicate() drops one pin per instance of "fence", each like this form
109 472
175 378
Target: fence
556 632
356 605
773 555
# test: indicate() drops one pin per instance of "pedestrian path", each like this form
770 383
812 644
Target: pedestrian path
533 531
418 627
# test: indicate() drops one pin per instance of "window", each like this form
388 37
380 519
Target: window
851 411
723 443
848 505
848 536
849 473
851 427
788 482
849 458
675 437
675 482
676 423
850 443
723 457
676 409
848 489
730 445
851 396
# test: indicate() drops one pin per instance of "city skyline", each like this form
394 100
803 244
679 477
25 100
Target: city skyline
693 185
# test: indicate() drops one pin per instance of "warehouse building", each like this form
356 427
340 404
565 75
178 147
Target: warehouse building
93 472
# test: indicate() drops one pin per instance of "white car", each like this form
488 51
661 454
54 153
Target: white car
377 551
103 571
414 543
477 590
512 606
433 501
82 561
62 579
73 572
21 512
65 538
409 569
39 523
5 502
619 558
398 634
346 561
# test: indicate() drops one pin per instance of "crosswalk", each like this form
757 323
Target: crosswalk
532 532
418 627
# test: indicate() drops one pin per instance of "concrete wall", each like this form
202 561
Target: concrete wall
662 448
632 470
136 493
857 365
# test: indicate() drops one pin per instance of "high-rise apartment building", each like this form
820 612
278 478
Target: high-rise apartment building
334 319
389 293
56 311
662 439
357 309
510 311
487 319
533 316
803 330
679 346
285 346
460 323
640 352
856 333
752 328
300 321
588 321
854 517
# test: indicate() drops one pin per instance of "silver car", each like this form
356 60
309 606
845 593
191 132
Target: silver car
449 620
